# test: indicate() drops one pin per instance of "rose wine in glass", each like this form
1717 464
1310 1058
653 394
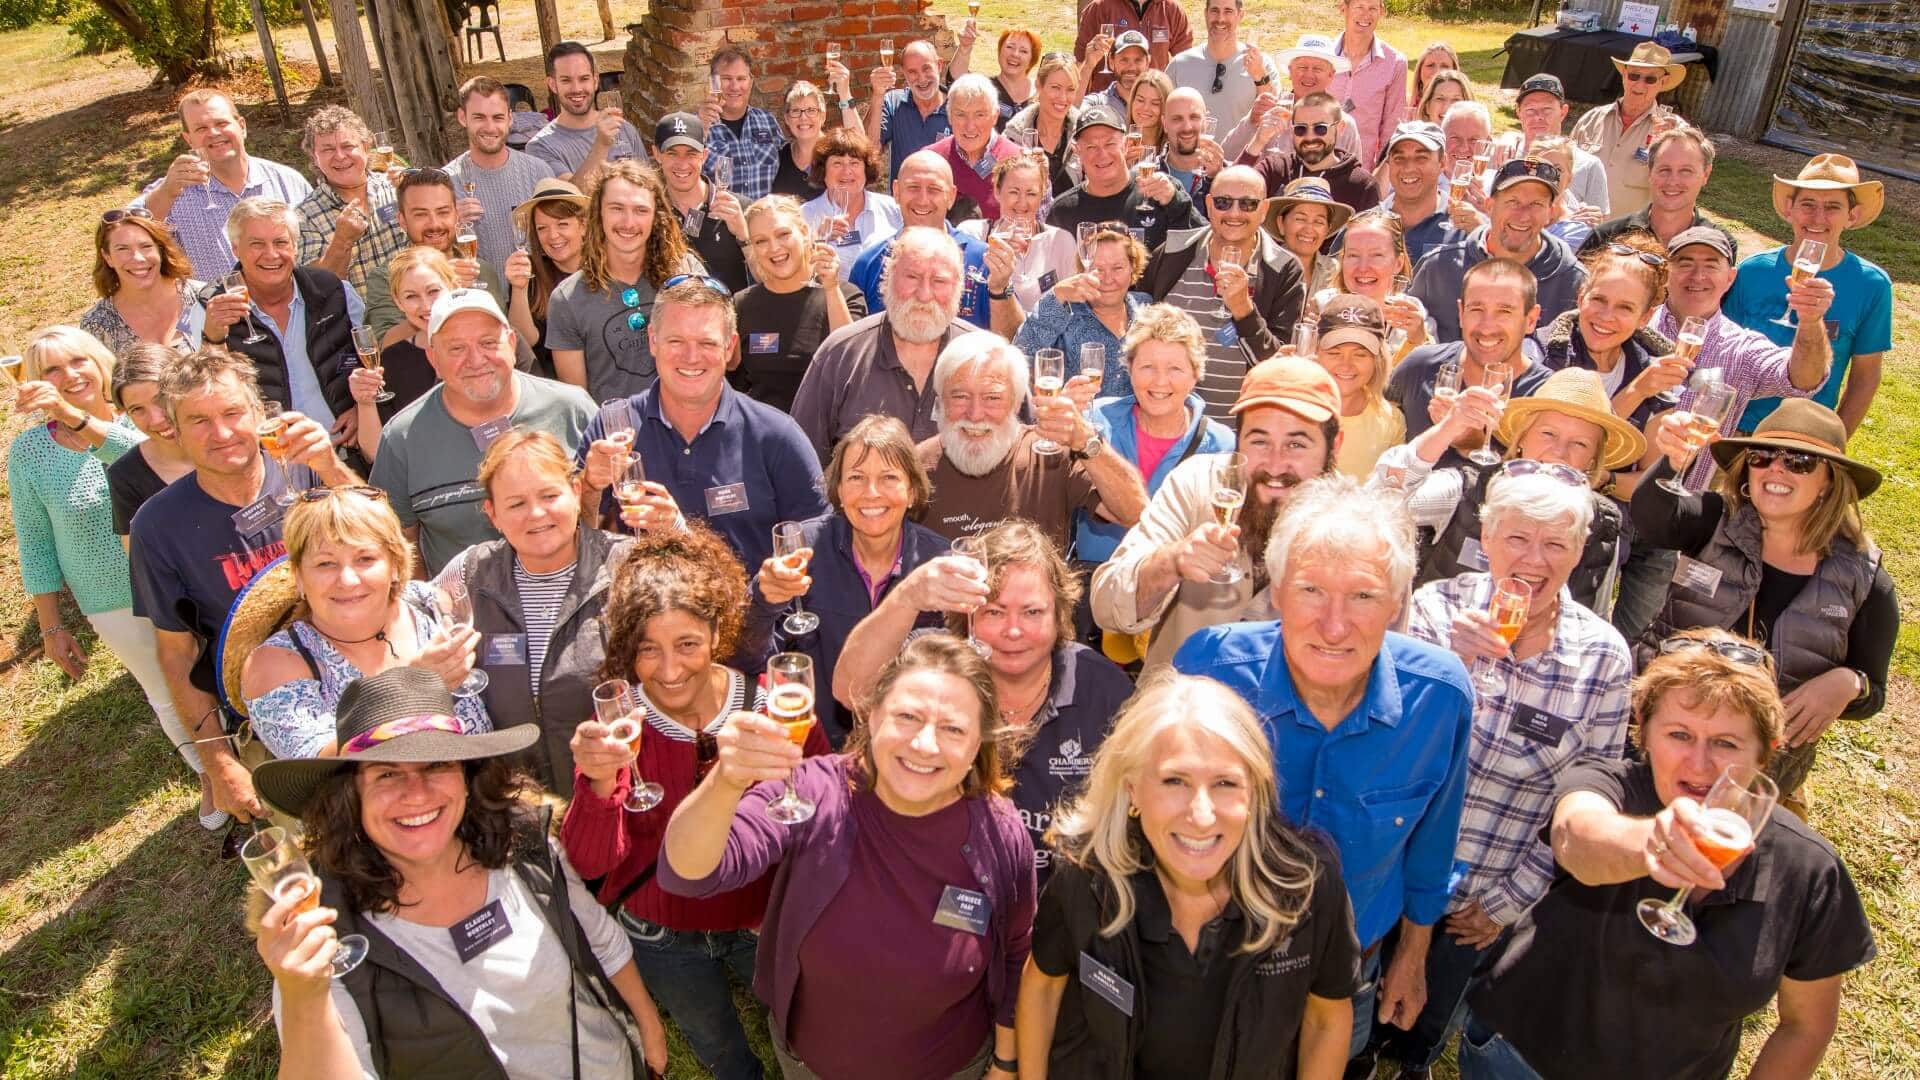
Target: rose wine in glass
1229 495
1049 378
974 551
1735 810
790 546
790 702
368 348
1806 263
616 705
276 864
1712 404
1496 377
1511 599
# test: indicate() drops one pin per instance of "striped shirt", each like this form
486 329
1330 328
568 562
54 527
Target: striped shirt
1226 360
199 215
738 699
1564 707
499 190
541 596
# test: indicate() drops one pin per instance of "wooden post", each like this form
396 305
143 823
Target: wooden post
319 50
546 15
271 55
366 96
418 64
606 19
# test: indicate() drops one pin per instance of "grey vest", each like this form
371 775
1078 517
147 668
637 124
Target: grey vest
1441 559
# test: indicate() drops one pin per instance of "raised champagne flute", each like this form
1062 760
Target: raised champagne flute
1482 157
1229 495
382 158
272 433
1497 378
616 705
11 368
208 186
1807 259
886 52
833 52
236 283
974 551
1460 179
1306 339
466 243
368 347
1093 364
722 175
1511 599
789 546
973 9
1712 403
1106 31
275 862
1686 349
1049 378
458 611
790 702
1731 816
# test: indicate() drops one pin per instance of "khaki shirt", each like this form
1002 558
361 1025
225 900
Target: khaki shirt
1618 149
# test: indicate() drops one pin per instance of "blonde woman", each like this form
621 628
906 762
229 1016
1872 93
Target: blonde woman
1046 123
1373 262
1178 832
1434 59
796 300
416 278
1445 88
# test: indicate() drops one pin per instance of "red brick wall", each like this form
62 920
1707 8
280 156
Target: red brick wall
666 60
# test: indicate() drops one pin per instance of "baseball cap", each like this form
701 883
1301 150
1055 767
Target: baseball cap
1542 83
1132 39
1715 238
680 129
1521 170
1358 319
1426 134
1297 385
455 301
1094 116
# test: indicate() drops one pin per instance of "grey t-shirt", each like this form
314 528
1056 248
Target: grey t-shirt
429 463
499 190
565 148
1194 69
609 327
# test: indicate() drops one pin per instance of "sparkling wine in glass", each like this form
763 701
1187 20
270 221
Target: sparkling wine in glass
1229 495
617 706
276 864
974 551
382 158
1712 403
1083 234
1460 179
886 52
466 243
1511 599
272 433
1482 157
1735 810
1806 263
1093 364
11 368
458 611
1049 378
973 9
790 697
1106 31
1686 349
833 52
236 282
368 348
790 547
1497 378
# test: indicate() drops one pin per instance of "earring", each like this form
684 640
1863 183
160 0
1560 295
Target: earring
1746 491
1133 811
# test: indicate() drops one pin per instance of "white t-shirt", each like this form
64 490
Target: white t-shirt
516 990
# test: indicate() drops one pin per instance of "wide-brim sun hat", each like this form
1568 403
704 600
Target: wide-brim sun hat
258 611
1832 172
1650 55
1578 393
401 715
1315 47
1806 426
1306 191
549 189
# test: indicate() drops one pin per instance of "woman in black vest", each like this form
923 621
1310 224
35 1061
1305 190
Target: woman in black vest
482 946
1188 930
1778 554
1607 331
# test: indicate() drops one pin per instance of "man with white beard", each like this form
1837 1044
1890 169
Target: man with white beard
884 362
984 466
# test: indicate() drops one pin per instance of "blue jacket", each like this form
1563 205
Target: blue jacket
1095 541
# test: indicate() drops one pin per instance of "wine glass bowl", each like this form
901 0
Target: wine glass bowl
1736 808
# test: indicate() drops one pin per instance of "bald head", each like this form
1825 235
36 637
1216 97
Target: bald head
1184 119
1237 224
924 189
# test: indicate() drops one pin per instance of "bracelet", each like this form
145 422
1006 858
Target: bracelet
76 428
1011 1065
991 295
57 628
846 103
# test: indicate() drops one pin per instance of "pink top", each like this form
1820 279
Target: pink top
1151 448
1374 94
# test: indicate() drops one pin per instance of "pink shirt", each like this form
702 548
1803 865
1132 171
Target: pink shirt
1151 448
1375 95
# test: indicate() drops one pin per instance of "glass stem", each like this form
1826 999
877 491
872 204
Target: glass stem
1672 907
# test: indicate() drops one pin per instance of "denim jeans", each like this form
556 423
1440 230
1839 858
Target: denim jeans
1363 1004
1450 967
686 972
1484 1055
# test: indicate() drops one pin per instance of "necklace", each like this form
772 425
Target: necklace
1008 715
379 635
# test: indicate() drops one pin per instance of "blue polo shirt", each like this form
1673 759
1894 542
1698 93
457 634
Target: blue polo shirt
1386 785
903 130
748 469
1859 322
974 301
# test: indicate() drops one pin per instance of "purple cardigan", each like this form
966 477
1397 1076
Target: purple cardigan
998 849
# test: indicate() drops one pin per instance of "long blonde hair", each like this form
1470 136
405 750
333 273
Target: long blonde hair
1270 875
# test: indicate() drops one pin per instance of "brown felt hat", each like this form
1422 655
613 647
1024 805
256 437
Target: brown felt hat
1805 425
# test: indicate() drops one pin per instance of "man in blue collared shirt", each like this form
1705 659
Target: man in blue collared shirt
908 120
707 451
925 190
1370 729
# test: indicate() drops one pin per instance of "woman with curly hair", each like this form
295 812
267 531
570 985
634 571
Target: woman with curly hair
675 619
479 951
597 318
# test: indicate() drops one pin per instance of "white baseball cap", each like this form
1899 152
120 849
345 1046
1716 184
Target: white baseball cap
454 301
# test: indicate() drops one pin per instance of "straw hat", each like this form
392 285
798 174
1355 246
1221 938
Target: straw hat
1579 393
548 189
1649 55
1306 191
1809 427
259 610
403 714
1832 172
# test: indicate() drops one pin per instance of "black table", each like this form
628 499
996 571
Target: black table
1584 60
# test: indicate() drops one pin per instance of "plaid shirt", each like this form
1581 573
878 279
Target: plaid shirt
1579 681
755 153
384 238
199 215
1753 365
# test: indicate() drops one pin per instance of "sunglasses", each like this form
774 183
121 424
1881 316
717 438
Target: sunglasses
1219 77
1647 78
318 494
1797 463
1300 130
1566 474
711 283
113 216
1227 202
1648 257
630 298
1735 651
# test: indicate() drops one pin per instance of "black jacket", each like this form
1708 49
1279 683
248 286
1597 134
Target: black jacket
329 342
1279 288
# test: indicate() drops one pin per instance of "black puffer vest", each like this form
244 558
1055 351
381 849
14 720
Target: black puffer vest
329 342
1442 558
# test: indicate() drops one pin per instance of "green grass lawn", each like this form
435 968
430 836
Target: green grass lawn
121 951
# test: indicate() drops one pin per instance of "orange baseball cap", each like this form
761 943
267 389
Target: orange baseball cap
1288 382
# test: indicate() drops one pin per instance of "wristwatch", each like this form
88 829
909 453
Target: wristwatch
1095 444
1264 80
846 103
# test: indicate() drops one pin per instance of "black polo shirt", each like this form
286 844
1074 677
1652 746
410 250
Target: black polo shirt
1582 990
1087 690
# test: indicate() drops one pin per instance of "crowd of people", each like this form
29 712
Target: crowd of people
1164 560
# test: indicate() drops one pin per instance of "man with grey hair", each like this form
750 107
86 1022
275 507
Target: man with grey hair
884 362
1370 727
985 465
923 188
1553 699
294 322
349 224
913 118
974 147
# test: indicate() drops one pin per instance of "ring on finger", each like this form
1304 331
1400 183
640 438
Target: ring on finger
1659 848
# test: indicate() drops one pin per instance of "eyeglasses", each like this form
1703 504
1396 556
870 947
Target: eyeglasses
1219 77
1566 474
712 283
1300 130
1648 257
319 493
1797 463
112 216
1738 652
1224 203
798 113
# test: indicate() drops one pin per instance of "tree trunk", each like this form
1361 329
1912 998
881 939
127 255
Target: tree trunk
416 39
189 48
367 97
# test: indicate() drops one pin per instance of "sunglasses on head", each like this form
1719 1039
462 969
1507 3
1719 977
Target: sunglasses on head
1796 462
1300 130
112 216
317 494
1228 202
1738 652
711 283
1566 474
1648 257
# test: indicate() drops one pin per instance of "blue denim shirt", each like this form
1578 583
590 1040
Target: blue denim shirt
1386 784
1054 325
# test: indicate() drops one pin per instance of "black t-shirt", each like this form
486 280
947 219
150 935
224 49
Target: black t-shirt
778 335
1126 205
131 482
717 248
793 180
1410 387
1582 990
409 375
